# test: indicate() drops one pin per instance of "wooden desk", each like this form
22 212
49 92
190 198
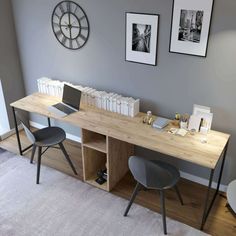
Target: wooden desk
109 138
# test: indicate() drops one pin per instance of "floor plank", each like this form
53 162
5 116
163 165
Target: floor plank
220 221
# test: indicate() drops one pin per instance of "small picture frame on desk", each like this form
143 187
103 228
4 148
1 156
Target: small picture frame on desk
141 38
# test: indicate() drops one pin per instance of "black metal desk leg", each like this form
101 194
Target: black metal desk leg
17 131
206 201
206 208
49 122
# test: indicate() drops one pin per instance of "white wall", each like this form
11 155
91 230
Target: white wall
4 122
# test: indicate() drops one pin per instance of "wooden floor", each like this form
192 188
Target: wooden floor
220 221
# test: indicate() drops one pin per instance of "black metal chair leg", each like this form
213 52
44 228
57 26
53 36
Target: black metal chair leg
179 195
32 154
135 192
67 158
39 164
163 210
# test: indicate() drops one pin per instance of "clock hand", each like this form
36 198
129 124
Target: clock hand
69 24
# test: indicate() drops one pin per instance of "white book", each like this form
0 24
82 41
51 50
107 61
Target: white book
114 102
118 105
134 107
90 97
99 99
109 96
124 106
85 94
104 101
111 102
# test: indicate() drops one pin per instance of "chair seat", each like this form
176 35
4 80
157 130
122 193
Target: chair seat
49 136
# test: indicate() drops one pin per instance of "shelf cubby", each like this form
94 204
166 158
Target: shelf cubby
100 152
94 140
93 161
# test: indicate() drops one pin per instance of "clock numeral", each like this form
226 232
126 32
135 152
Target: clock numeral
77 41
64 39
68 7
55 14
70 43
81 18
62 9
84 27
58 33
75 9
55 24
82 37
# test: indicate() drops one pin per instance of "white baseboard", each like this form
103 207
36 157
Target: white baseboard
201 181
10 133
184 175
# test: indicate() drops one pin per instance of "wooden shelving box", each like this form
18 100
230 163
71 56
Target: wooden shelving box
100 152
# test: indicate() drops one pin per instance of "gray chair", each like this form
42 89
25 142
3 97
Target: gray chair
153 174
231 196
44 138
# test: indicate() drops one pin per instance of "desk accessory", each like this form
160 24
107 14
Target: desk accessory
194 123
180 132
102 176
204 114
184 121
160 123
148 119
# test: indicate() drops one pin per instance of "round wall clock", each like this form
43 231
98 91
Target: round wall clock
70 25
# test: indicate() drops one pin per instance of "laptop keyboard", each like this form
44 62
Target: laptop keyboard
63 108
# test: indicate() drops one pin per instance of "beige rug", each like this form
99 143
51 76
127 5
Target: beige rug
64 206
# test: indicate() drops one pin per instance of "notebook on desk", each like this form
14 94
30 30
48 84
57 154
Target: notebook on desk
70 102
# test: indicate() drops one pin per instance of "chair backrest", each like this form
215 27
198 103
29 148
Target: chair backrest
149 173
25 123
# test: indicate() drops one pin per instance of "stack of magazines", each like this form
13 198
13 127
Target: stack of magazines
91 97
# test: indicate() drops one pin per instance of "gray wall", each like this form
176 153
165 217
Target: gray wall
174 85
10 70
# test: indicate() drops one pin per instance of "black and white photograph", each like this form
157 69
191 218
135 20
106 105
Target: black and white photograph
190 26
141 38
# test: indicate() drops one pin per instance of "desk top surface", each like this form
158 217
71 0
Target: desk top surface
132 130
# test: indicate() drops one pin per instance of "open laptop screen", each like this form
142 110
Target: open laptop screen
71 96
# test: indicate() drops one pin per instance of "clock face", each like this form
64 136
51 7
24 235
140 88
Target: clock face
70 25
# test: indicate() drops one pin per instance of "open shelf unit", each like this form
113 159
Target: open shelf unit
101 152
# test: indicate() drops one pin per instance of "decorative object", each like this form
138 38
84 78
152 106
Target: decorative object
141 38
148 119
205 117
70 25
191 21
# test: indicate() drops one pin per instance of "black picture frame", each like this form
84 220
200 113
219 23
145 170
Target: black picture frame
146 22
186 36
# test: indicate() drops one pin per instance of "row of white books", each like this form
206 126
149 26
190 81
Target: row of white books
108 101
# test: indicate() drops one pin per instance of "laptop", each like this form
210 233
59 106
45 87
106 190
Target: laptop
70 102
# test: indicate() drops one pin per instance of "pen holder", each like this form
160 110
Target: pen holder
183 124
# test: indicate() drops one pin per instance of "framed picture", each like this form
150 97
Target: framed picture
141 38
191 21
